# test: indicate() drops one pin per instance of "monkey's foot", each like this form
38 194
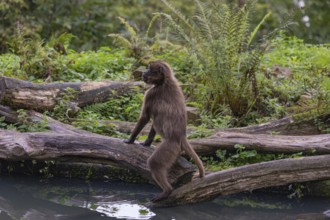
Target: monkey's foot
144 144
128 142
161 196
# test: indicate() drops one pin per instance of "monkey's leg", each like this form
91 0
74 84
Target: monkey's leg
160 177
150 138
159 163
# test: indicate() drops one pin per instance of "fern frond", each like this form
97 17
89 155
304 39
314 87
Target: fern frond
154 18
99 108
178 29
121 40
129 28
256 29
178 14
203 21
288 19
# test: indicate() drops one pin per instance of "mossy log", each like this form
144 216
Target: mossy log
44 96
251 177
66 147
86 148
289 125
66 143
308 144
284 126
312 144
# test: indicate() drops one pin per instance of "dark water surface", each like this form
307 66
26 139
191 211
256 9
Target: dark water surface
29 198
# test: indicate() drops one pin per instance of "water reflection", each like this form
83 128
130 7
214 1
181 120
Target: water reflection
23 198
122 210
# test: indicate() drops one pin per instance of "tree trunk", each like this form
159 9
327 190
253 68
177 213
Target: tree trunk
26 95
314 144
66 143
285 126
251 177
95 149
86 148
225 140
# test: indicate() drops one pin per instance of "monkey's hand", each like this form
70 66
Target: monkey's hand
129 141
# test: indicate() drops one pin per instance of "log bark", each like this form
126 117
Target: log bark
86 148
251 177
26 95
313 144
11 116
285 126
67 147
222 140
71 144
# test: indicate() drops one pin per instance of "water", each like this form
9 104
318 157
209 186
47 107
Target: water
29 198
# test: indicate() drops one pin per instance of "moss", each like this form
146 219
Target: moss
319 188
70 170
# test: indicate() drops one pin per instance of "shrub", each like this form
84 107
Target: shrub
219 42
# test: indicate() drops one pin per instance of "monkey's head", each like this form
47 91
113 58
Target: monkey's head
157 73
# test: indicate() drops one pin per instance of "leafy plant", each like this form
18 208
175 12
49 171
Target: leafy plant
105 63
200 132
36 60
64 105
125 108
135 45
307 89
39 60
225 159
292 52
90 123
219 42
25 123
3 124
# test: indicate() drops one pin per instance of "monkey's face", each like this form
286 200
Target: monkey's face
154 75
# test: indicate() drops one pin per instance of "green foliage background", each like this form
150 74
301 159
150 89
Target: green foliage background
226 59
91 21
226 69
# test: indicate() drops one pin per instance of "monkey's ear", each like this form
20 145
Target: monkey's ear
161 69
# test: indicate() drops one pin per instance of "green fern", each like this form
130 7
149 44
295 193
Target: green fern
219 39
178 14
125 108
121 40
129 28
152 21
136 46
98 108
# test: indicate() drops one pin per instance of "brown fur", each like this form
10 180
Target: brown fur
164 104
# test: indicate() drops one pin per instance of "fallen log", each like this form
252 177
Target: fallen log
94 149
11 116
26 95
250 177
222 140
285 126
313 144
86 148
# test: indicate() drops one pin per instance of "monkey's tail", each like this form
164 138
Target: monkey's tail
190 151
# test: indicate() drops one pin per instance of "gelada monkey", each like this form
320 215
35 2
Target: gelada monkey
164 105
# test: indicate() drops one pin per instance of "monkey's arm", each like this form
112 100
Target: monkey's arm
138 128
151 136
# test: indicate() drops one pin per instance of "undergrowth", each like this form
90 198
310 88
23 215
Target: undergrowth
224 159
219 42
